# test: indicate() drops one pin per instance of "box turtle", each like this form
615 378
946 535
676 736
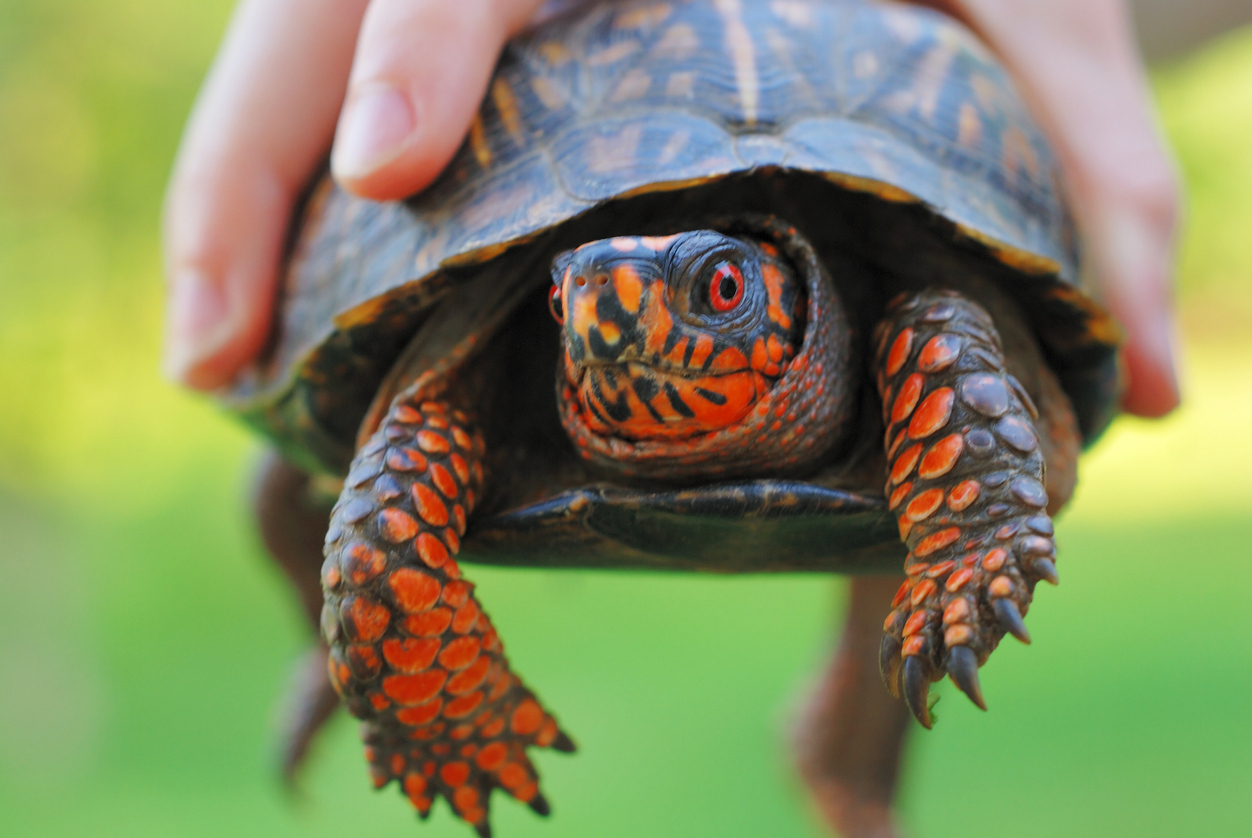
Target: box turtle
717 285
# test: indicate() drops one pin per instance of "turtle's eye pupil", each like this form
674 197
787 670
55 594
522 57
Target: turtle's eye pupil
555 305
726 287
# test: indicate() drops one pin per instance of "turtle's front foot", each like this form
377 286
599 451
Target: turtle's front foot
966 480
411 651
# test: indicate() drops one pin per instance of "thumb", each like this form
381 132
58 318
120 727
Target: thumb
419 74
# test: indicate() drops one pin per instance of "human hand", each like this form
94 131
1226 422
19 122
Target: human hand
270 105
409 75
1078 67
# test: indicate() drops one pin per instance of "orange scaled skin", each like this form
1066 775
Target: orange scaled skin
966 483
411 651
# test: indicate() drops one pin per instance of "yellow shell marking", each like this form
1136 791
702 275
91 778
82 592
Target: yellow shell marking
673 147
633 85
680 85
553 97
478 142
678 43
796 13
610 153
506 104
969 126
644 17
555 53
1017 153
610 55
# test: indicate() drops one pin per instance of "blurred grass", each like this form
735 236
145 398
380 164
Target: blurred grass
144 639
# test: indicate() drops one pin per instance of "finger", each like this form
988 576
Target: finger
263 122
421 69
1076 64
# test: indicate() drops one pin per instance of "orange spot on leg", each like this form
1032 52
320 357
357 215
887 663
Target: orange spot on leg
460 653
469 678
410 654
932 414
429 623
527 717
461 707
903 465
939 460
414 689
939 353
492 756
906 400
899 495
431 550
429 506
962 495
455 773
396 525
937 541
421 714
924 504
365 620
413 590
900 350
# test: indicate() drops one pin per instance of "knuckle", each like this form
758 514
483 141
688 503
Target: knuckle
1146 181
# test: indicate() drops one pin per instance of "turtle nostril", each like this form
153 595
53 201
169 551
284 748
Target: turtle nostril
602 279
580 281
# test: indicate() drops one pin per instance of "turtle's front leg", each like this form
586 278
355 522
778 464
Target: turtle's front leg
412 653
966 482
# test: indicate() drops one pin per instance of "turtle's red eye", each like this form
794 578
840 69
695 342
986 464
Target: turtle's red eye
555 305
726 287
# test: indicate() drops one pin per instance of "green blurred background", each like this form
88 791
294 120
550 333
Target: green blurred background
144 639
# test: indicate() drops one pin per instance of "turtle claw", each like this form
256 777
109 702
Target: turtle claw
889 663
966 484
483 828
540 806
1011 619
1045 569
963 667
917 689
563 743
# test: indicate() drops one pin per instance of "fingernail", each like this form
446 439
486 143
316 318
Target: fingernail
373 131
197 326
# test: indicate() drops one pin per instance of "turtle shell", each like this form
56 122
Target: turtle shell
880 130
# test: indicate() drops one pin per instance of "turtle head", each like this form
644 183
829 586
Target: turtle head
674 336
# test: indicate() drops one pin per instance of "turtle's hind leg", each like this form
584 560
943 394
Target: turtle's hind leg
849 739
292 523
412 653
966 481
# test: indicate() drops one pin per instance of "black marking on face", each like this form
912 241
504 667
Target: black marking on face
709 396
618 410
676 402
645 388
599 347
691 350
595 411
